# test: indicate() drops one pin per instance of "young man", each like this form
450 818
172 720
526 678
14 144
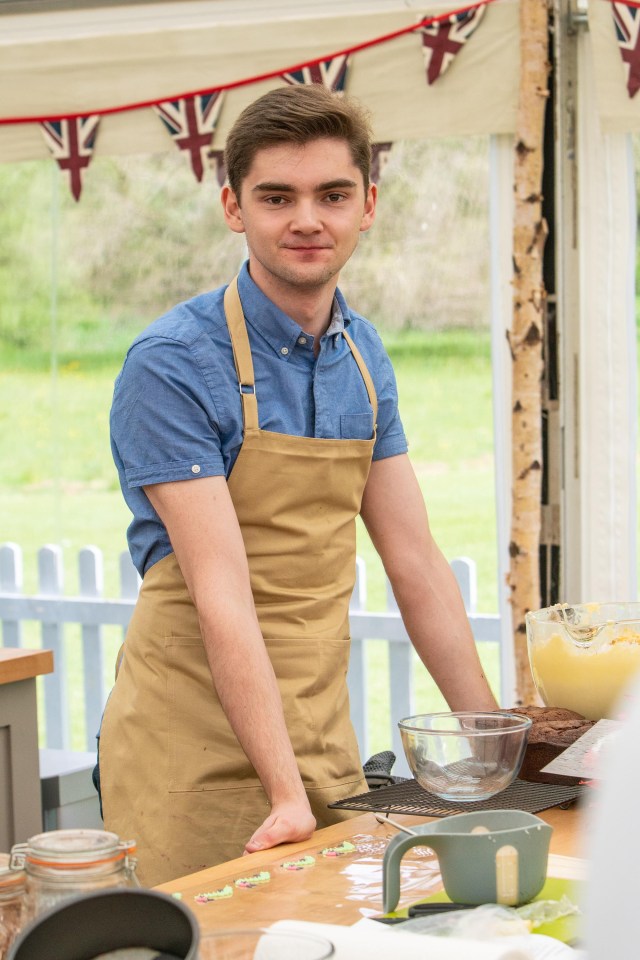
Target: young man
250 426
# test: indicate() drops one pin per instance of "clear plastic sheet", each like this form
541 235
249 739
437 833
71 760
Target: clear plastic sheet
546 911
346 880
351 871
492 922
419 873
482 923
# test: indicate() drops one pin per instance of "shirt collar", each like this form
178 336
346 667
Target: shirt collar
275 326
338 315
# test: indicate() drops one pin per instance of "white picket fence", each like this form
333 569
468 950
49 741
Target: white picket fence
53 610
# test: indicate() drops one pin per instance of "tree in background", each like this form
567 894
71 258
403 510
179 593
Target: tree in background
526 335
146 235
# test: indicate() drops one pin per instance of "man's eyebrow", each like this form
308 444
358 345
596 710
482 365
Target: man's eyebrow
343 184
269 186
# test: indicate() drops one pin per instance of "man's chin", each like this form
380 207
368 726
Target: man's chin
307 278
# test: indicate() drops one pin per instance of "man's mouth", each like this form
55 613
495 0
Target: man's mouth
305 246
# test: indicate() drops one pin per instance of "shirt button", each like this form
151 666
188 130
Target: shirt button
284 351
302 339
195 468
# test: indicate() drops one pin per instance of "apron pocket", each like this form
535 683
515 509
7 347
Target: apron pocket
312 677
204 753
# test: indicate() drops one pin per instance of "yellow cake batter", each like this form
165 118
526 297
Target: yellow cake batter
588 679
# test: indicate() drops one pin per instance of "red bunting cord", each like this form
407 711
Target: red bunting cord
426 22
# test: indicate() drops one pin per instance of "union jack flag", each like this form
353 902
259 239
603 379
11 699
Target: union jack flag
627 23
379 159
71 143
330 73
216 162
191 122
443 40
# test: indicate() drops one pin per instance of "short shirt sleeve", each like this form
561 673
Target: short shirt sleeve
164 425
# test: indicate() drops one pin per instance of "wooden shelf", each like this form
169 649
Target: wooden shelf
18 664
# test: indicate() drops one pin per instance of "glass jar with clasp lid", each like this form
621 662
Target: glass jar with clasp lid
13 906
62 864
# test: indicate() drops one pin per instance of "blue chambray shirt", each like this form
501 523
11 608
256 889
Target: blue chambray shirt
176 412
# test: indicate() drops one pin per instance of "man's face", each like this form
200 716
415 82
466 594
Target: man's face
302 209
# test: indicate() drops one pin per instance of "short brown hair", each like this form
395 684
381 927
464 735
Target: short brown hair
297 114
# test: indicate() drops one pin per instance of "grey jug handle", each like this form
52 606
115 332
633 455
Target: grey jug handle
393 855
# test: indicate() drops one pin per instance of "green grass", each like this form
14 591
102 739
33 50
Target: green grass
59 485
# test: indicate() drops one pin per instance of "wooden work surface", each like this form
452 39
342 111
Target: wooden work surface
339 889
18 664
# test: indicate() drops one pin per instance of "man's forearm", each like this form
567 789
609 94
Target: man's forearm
435 618
248 692
423 583
202 523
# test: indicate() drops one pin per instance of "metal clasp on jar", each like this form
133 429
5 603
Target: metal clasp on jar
128 847
18 856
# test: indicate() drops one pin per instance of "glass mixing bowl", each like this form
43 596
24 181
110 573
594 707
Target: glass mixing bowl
583 656
465 756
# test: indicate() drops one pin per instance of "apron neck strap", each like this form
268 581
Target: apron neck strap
244 364
241 355
366 376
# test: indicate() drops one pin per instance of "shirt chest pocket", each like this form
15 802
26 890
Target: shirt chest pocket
356 426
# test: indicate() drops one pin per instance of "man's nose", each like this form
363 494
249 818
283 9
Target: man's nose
306 217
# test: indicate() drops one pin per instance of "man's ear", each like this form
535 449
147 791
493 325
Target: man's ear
231 209
369 213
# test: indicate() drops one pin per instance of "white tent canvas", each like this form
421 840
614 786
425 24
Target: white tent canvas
81 61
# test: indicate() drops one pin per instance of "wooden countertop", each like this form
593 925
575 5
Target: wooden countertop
18 664
339 889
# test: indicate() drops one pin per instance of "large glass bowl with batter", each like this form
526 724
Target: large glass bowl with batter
583 656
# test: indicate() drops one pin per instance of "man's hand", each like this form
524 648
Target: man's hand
287 823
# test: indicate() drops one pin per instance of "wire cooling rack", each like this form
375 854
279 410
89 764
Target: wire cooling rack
409 797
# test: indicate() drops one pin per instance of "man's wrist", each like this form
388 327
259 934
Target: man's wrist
287 793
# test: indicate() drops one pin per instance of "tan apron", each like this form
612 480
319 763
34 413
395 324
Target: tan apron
173 774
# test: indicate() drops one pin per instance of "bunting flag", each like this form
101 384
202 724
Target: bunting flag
379 159
191 122
443 40
191 118
216 162
332 73
71 143
627 23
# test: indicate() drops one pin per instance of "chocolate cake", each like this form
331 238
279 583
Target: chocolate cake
553 730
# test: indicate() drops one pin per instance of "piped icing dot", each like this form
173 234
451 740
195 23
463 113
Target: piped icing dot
339 850
247 882
300 864
220 894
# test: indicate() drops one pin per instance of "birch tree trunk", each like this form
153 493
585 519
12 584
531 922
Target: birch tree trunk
526 334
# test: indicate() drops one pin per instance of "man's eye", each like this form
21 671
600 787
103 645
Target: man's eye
275 201
335 197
